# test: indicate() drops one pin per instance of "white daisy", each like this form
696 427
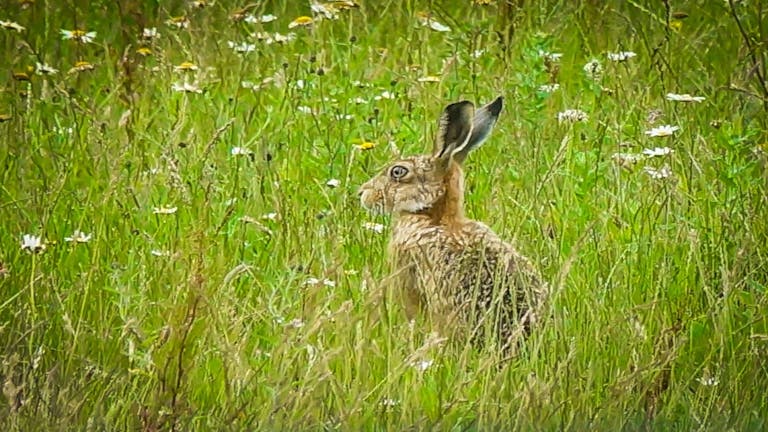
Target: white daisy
684 97
78 35
662 131
658 174
422 365
240 151
621 56
165 210
657 151
45 69
186 87
550 56
32 243
150 33
242 48
333 183
78 237
259 20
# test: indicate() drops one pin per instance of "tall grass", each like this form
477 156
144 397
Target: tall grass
258 303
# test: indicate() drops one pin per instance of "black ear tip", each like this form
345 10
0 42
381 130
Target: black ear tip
495 106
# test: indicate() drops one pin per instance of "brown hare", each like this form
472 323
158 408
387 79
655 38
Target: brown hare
455 269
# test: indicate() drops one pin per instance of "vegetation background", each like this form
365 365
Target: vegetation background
224 276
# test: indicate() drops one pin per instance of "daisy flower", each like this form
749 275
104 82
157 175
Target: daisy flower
45 69
302 21
81 66
81 36
657 151
165 210
550 56
32 243
242 48
186 67
11 25
150 33
259 20
620 56
549 88
375 227
240 151
186 87
662 131
684 98
333 183
78 237
427 21
658 174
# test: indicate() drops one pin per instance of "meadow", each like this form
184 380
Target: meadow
183 247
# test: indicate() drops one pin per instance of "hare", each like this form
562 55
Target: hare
455 269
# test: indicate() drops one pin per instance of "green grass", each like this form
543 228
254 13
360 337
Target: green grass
659 319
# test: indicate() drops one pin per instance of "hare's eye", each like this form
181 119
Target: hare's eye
397 172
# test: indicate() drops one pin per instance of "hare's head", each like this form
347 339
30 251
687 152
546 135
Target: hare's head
433 183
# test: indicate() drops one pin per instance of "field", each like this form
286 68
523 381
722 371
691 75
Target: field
196 256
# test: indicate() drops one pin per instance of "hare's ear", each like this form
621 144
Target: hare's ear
454 129
482 125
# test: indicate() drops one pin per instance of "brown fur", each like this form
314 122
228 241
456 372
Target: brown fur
456 269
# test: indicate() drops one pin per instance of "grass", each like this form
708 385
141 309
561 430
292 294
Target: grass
257 304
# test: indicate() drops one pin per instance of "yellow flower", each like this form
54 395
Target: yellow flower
20 76
676 25
82 66
144 51
366 145
186 67
301 21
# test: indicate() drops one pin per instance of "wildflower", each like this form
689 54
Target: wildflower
708 381
81 66
550 56
549 88
621 56
662 131
159 253
186 88
165 210
186 67
78 237
259 20
144 51
389 403
594 70
627 160
657 151
315 281
21 76
180 22
275 37
333 183
375 227
572 116
386 94
32 243
242 48
302 21
45 69
78 35
11 25
684 98
366 145
429 79
240 151
422 365
477 53
304 109
269 216
658 174
326 11
427 21
150 33
360 101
